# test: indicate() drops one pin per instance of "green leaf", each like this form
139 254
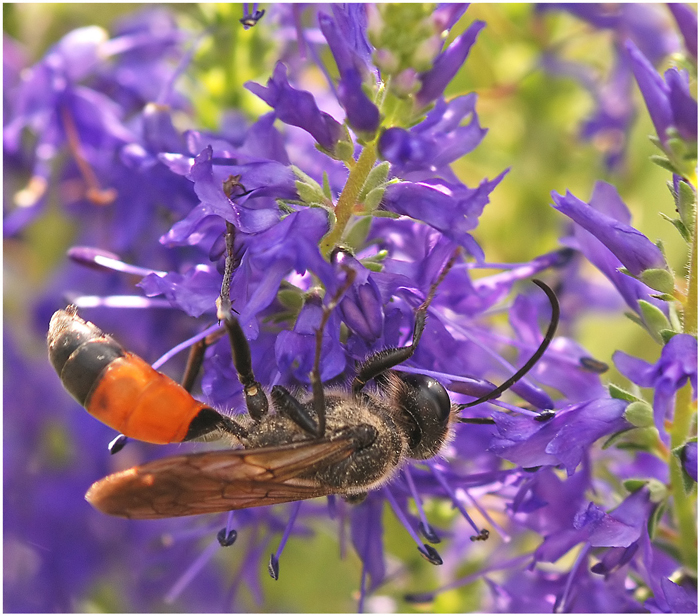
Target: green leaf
658 279
356 236
376 178
658 492
617 438
676 145
637 439
687 205
635 318
621 394
374 267
667 334
663 162
680 227
344 150
654 319
374 198
310 194
284 207
664 297
654 520
327 187
291 299
375 262
307 179
632 485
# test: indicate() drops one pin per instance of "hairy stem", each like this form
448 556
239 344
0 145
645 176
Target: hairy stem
348 198
685 505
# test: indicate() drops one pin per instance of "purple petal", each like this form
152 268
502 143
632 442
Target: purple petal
683 106
366 530
562 440
654 90
636 370
446 65
631 247
437 141
362 113
689 457
298 108
687 20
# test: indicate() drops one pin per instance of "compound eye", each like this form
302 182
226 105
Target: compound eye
427 412
430 399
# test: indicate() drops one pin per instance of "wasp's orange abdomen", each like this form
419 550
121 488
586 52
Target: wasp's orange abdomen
121 389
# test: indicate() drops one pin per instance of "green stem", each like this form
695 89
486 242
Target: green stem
690 310
348 198
685 505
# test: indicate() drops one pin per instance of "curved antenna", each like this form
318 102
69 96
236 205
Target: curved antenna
554 302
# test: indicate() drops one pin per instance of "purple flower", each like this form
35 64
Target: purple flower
676 365
563 440
673 599
667 98
538 591
367 537
615 113
631 247
350 50
362 306
451 209
619 530
298 108
434 143
689 458
561 367
446 65
295 350
447 14
687 20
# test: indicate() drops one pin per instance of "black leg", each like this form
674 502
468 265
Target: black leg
286 404
255 398
384 360
223 303
319 396
208 420
196 358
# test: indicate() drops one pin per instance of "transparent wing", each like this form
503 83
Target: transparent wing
218 481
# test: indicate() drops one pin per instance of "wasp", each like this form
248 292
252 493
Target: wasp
330 441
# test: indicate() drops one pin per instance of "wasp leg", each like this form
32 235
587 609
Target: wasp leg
207 420
255 398
287 405
319 397
384 360
195 360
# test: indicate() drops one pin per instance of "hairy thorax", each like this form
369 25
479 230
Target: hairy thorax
379 443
